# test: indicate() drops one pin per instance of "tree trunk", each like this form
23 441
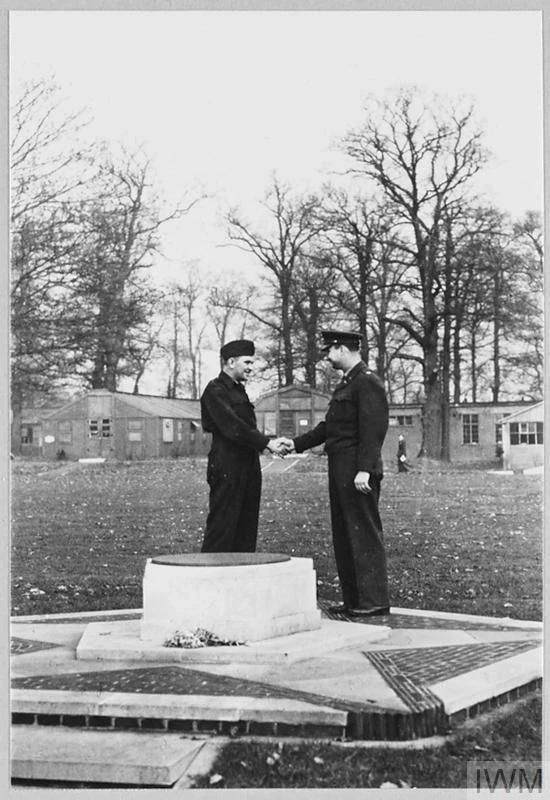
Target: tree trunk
456 362
496 336
431 434
364 260
175 356
287 343
136 382
97 372
16 412
311 358
473 355
431 422
110 377
446 348
112 357
381 353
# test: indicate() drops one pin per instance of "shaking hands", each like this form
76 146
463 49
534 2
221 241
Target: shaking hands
281 446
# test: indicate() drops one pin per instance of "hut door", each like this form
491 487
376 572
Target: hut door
99 437
100 424
287 423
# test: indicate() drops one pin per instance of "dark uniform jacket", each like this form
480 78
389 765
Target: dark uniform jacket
356 421
228 414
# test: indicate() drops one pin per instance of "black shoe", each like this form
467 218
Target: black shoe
377 611
339 608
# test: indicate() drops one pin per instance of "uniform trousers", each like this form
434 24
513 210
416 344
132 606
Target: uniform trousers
357 535
235 482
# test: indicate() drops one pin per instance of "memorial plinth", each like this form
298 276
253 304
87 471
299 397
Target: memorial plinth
237 596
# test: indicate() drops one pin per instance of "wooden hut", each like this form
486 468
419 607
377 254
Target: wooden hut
103 424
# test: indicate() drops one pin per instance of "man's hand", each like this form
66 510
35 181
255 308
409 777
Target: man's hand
274 446
361 482
281 446
287 446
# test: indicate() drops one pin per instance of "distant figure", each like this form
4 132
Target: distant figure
402 463
499 452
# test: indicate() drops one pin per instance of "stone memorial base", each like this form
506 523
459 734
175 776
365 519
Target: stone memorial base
236 596
266 600
120 641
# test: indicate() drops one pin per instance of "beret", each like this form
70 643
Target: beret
239 347
336 338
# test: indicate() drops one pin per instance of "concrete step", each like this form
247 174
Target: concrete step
121 641
196 713
127 758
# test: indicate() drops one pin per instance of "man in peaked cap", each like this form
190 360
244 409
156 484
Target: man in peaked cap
233 471
353 432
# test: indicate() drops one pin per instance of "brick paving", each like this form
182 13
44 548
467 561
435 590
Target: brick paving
427 622
427 665
410 671
384 690
18 646
176 680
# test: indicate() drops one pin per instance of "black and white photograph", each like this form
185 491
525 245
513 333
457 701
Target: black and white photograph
276 399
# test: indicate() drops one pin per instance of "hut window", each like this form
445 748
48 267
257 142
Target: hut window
526 433
135 427
470 429
99 428
401 420
26 434
194 427
65 432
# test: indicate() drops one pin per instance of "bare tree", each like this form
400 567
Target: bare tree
373 269
121 224
528 231
48 157
84 226
313 302
421 155
191 293
230 300
294 225
141 350
525 353
48 172
184 308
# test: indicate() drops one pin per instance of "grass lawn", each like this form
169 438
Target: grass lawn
460 540
457 540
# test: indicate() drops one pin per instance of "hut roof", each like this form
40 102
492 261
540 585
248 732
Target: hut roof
518 414
146 404
162 406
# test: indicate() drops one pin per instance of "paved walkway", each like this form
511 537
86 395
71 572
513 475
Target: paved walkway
426 672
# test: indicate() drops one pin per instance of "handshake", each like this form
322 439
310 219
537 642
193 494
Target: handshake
281 447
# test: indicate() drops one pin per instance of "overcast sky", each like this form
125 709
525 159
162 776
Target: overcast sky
222 99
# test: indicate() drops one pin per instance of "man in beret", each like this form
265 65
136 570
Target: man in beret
233 471
353 432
